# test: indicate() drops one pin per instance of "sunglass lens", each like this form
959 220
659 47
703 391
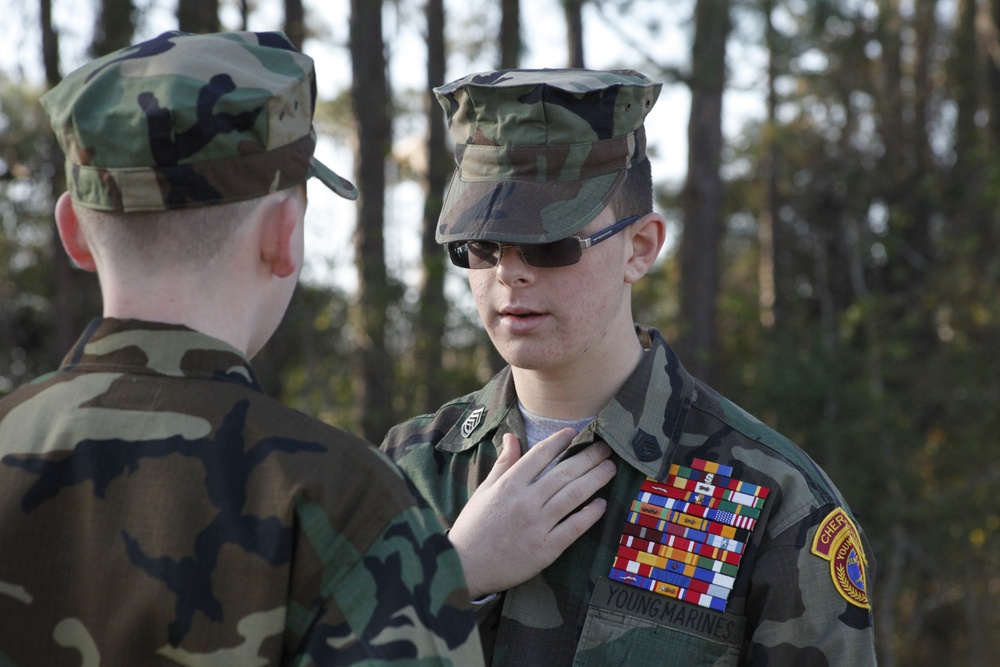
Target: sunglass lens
550 255
459 253
483 254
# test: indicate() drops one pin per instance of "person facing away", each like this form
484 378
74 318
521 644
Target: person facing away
155 506
723 543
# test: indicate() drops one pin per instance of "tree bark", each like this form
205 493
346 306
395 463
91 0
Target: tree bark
370 92
295 22
432 311
115 27
64 328
199 16
573 9
510 34
703 190
76 294
768 276
244 15
993 70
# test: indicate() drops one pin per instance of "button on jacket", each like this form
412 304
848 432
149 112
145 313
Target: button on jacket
723 543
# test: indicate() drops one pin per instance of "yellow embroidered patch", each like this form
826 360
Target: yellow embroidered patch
837 540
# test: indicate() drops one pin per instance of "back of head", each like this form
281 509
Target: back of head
185 239
185 121
540 153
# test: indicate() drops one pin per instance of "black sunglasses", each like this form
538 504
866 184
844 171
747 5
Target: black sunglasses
564 252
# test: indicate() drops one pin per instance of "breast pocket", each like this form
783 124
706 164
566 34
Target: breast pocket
626 625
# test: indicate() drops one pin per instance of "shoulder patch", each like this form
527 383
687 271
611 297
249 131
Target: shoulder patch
837 540
684 537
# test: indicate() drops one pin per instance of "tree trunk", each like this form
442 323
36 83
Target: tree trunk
64 329
976 90
574 32
295 22
510 34
370 92
432 311
768 239
244 15
703 191
76 294
199 16
115 27
993 70
50 44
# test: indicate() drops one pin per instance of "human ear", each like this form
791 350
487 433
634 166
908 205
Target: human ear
276 241
647 235
72 236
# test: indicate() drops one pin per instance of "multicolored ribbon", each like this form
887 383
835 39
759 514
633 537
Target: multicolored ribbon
684 537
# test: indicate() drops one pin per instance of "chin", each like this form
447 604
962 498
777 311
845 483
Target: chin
529 361
524 352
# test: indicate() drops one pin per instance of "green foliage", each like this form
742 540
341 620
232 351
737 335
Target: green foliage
26 235
882 362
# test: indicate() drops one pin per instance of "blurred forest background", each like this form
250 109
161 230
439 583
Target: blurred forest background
835 268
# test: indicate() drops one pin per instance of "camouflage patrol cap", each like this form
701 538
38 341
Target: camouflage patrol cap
187 120
540 153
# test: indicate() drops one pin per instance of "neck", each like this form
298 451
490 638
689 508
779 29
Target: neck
582 390
199 301
174 304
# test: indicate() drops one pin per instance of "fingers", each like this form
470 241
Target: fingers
572 468
563 488
576 524
543 453
579 480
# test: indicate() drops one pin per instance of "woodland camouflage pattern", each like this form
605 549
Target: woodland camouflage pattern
158 509
540 153
784 608
189 120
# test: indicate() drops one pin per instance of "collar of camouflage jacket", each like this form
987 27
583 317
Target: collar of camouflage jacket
113 345
641 423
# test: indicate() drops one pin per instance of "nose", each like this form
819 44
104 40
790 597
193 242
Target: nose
511 267
504 246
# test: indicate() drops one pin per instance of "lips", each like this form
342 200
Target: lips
517 311
521 320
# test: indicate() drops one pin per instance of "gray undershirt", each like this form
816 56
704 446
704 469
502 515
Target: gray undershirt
537 428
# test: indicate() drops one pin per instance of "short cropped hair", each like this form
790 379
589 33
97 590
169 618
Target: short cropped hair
187 237
635 196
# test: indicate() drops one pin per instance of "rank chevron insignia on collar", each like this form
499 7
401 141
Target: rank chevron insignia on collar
684 537
837 540
472 422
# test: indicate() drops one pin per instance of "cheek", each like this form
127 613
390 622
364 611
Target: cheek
479 289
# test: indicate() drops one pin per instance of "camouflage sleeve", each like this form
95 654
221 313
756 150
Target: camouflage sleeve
808 601
403 600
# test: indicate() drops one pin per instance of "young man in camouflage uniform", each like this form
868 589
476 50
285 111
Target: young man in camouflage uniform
722 543
155 506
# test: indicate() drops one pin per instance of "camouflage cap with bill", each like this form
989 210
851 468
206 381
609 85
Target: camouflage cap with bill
188 120
540 153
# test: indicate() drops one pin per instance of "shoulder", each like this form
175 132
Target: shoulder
426 429
802 539
343 461
25 394
760 453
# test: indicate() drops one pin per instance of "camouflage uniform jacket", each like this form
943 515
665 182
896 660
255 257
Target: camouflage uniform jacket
778 580
157 509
